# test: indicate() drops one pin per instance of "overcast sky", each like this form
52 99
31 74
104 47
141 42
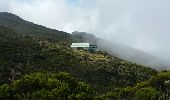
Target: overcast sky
142 24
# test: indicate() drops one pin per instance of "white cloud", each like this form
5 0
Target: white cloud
4 5
142 24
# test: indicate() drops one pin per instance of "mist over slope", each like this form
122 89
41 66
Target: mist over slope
133 55
143 25
123 51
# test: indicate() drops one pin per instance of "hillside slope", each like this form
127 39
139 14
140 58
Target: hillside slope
37 31
23 53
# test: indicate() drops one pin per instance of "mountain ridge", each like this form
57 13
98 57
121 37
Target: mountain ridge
46 50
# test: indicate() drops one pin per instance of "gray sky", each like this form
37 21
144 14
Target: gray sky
142 24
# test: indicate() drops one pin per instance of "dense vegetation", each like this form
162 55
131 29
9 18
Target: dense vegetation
155 88
46 86
33 52
64 86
